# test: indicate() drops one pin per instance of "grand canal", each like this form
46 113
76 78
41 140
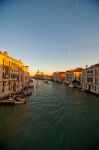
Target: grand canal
55 117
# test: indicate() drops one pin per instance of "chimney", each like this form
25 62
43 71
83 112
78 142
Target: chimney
86 66
5 52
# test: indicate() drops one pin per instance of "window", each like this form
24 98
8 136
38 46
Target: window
89 79
3 84
3 61
3 75
95 71
3 87
90 72
95 80
95 88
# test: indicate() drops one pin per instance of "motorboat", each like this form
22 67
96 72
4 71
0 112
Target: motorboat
71 85
82 90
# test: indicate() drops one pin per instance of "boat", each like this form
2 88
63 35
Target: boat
71 85
7 101
82 90
19 102
45 81
19 99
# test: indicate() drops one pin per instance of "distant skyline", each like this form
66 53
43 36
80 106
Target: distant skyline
50 35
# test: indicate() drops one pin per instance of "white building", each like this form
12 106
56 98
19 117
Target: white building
90 79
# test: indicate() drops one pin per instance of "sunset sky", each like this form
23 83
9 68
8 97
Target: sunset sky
51 35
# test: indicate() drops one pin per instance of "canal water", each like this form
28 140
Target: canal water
55 117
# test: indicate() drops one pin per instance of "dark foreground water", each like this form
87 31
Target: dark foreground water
55 117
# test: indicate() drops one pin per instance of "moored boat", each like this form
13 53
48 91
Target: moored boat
19 99
71 85
45 81
82 90
9 101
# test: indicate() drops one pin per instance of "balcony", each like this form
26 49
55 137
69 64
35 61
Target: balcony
89 72
90 80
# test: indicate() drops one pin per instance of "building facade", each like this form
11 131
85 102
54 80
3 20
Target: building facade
13 75
74 75
59 77
90 79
